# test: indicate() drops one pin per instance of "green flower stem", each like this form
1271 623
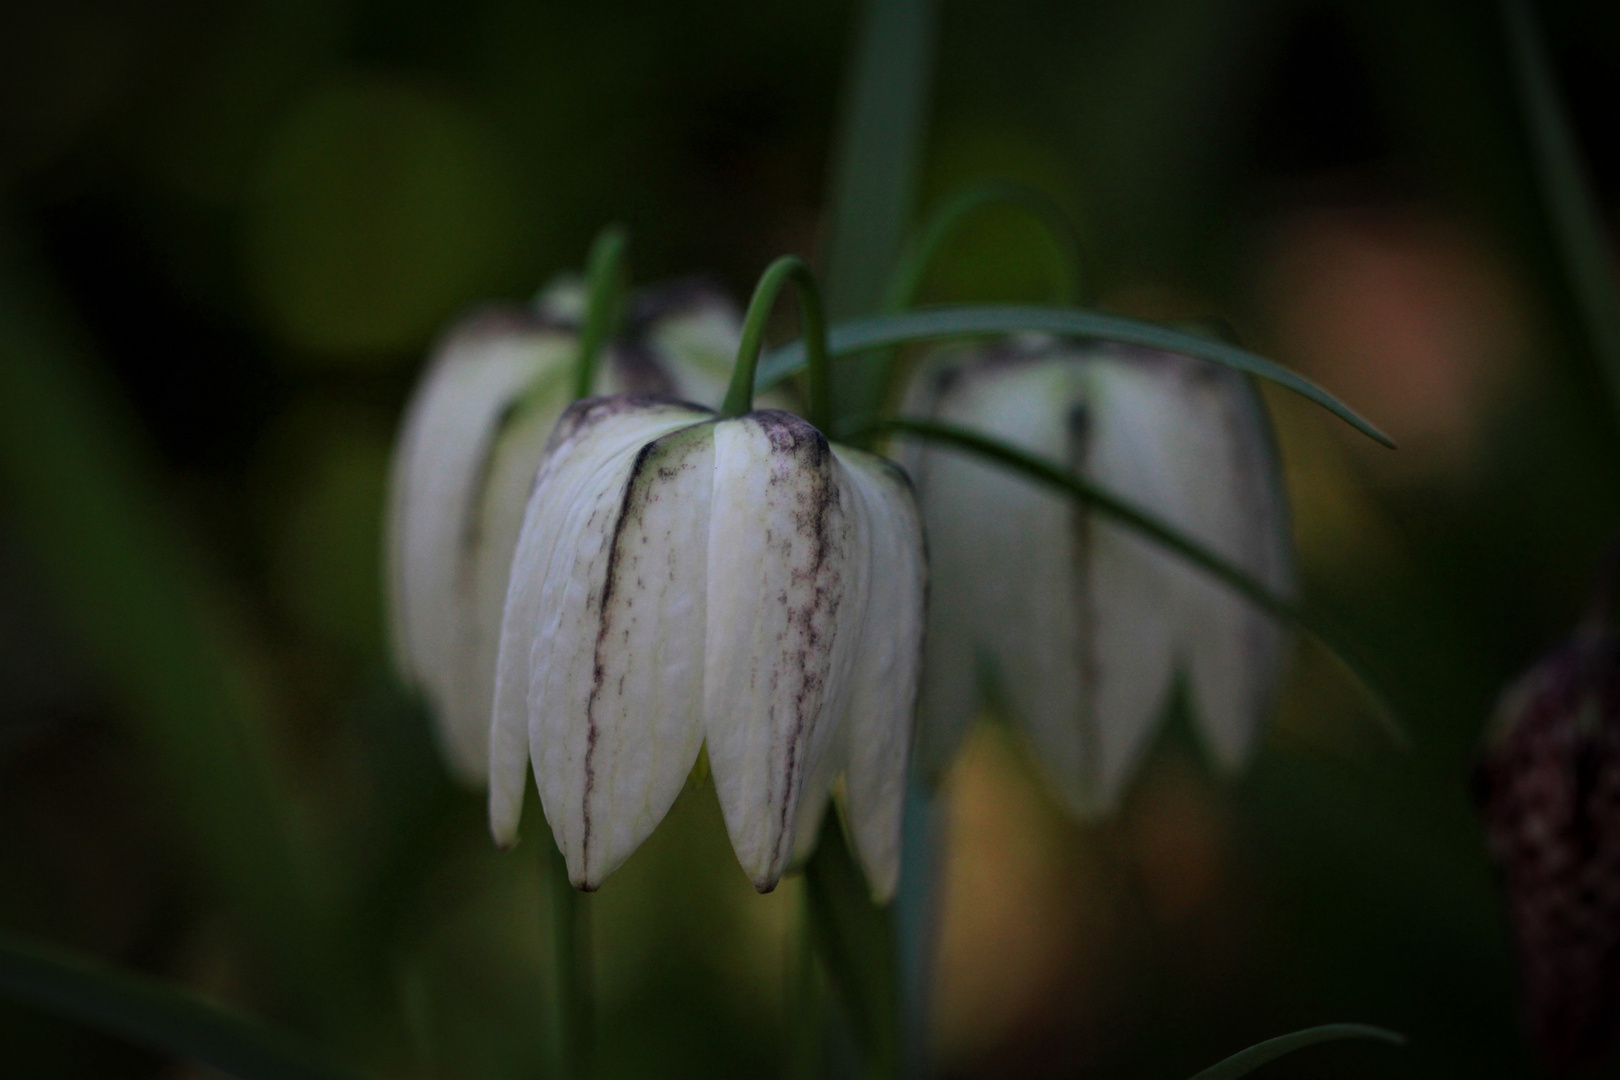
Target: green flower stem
606 282
1095 498
802 1014
916 917
924 249
573 1023
740 395
573 1015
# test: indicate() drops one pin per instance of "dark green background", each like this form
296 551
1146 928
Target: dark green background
230 232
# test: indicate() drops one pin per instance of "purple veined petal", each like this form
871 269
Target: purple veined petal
566 533
616 692
783 561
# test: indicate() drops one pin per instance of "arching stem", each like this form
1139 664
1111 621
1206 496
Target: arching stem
606 282
813 323
923 251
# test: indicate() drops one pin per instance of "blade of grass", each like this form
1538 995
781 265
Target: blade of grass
154 1015
1244 1062
1173 540
954 322
874 181
1578 229
85 502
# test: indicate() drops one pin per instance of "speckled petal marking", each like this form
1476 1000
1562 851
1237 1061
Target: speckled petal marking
617 690
780 555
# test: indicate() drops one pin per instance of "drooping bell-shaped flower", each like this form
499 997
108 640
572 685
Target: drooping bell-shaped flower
1549 790
684 580
471 440
1071 623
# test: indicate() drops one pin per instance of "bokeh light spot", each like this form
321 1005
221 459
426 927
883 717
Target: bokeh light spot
379 208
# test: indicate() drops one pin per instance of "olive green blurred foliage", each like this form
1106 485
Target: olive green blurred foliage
230 232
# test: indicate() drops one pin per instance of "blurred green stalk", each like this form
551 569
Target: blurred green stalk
1578 230
85 500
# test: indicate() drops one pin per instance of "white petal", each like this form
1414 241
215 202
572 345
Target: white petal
617 692
1074 615
1228 498
1120 442
561 557
439 468
484 558
782 556
949 486
883 695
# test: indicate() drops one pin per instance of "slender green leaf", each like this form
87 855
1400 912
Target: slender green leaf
1244 1062
86 500
874 180
953 322
1577 224
607 280
1095 498
152 1014
881 139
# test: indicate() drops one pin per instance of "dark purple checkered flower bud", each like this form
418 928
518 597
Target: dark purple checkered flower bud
1549 789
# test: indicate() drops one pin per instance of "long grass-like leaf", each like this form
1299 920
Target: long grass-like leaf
874 179
1244 1062
85 500
154 1015
1168 537
954 322
1577 225
883 126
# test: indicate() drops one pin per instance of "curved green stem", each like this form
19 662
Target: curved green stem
606 281
1246 1061
1166 536
929 324
945 222
740 395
